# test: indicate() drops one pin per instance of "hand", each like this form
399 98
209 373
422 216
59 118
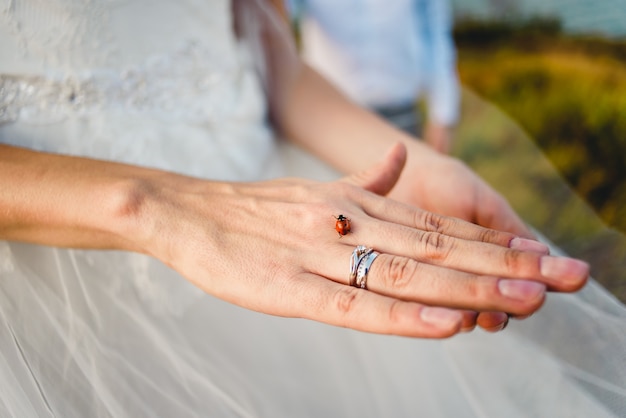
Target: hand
438 136
446 186
272 247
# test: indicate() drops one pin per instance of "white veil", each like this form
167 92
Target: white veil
107 333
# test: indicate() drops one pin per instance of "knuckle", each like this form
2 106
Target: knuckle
430 221
513 260
480 289
345 299
472 290
310 215
313 216
435 245
396 314
489 235
346 189
397 272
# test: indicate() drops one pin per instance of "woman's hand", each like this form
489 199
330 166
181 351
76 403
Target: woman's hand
446 186
350 138
272 247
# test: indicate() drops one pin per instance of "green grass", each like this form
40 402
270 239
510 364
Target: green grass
544 120
572 104
502 152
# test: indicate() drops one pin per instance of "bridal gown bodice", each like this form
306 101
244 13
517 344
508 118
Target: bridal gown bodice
105 333
159 83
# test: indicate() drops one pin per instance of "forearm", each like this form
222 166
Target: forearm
71 202
320 119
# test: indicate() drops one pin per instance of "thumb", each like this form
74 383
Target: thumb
381 177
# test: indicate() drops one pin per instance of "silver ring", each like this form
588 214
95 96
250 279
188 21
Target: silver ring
364 268
357 255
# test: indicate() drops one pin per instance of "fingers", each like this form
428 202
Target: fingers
558 273
410 216
346 306
488 321
407 279
381 178
495 212
479 257
469 320
492 321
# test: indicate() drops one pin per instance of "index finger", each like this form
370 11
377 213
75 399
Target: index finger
407 215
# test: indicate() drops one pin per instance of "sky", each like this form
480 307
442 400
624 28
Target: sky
606 17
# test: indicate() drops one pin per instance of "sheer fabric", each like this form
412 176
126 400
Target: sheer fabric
106 333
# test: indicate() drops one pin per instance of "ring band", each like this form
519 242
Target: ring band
357 255
364 268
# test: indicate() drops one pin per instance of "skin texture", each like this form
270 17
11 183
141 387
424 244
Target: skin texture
272 246
434 272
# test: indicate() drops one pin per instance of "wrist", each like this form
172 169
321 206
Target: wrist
159 213
137 206
127 213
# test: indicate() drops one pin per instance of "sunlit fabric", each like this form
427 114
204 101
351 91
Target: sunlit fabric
385 53
106 333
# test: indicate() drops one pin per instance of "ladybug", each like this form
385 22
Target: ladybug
342 226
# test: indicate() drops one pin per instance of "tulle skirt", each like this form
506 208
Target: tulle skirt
106 333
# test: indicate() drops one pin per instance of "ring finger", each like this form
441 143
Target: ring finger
410 280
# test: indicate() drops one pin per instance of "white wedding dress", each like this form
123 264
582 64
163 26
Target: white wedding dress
105 333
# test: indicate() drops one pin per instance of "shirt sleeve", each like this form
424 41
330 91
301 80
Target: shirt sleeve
443 96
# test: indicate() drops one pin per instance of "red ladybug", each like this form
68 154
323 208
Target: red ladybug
342 226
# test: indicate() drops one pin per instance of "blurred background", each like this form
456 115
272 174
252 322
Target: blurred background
542 102
543 118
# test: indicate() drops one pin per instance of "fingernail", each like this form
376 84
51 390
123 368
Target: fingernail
441 317
502 323
564 269
469 320
523 290
524 244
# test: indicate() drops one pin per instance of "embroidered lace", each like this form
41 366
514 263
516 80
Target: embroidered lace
166 84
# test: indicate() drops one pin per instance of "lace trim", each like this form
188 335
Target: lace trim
184 84
55 29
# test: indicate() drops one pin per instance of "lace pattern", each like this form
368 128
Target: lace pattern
169 85
54 29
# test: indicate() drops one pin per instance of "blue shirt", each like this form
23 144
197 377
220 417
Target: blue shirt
384 53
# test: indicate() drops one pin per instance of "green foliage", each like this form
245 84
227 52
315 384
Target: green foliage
473 32
571 100
540 107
